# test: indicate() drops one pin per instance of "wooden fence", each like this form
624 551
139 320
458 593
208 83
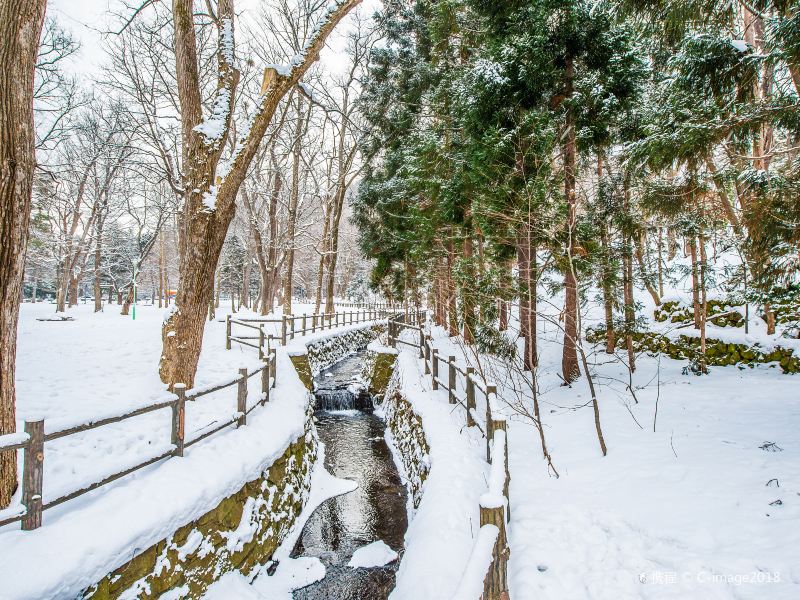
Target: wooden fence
32 442
294 325
494 506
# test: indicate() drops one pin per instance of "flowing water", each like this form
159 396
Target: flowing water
354 449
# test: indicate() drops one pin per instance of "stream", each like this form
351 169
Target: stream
354 449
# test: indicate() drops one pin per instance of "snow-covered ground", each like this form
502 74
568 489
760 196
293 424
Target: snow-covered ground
105 364
703 507
707 506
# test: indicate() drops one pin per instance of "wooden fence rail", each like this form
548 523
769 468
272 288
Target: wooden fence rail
494 507
32 442
291 326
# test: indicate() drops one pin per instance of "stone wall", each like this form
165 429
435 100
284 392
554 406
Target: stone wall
379 363
408 437
718 352
241 533
311 358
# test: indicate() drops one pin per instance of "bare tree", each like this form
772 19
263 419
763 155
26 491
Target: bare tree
20 28
209 193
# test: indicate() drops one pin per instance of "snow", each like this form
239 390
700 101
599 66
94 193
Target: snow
686 511
282 70
210 198
471 585
439 539
378 348
376 554
291 573
226 42
12 439
740 45
104 364
213 127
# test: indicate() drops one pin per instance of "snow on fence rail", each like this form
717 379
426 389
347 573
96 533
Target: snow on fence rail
32 441
485 576
289 325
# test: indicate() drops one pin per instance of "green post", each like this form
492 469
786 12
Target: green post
134 294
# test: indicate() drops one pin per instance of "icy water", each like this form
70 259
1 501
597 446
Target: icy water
354 449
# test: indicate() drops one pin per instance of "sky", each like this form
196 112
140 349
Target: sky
87 19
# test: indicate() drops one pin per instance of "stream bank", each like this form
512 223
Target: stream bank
355 448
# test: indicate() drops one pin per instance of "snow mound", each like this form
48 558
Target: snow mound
376 554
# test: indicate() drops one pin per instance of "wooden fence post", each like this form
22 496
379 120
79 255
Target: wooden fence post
273 365
421 343
435 369
227 332
495 585
470 396
265 382
500 425
33 475
283 329
261 342
313 322
241 398
427 357
490 389
292 321
304 323
178 418
451 379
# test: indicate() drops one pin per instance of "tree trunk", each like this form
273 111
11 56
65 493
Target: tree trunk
244 297
526 255
630 309
74 280
704 310
569 359
467 300
647 277
98 261
333 252
209 201
292 215
62 279
695 283
452 303
126 305
608 296
161 286
660 262
627 283
20 27
323 258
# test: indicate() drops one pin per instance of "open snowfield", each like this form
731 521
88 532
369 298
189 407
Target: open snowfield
105 364
696 509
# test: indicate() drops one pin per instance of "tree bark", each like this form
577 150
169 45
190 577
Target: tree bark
569 359
695 283
452 303
98 271
294 196
467 300
526 252
647 276
20 27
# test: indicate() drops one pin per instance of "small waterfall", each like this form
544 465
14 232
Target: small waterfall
343 399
